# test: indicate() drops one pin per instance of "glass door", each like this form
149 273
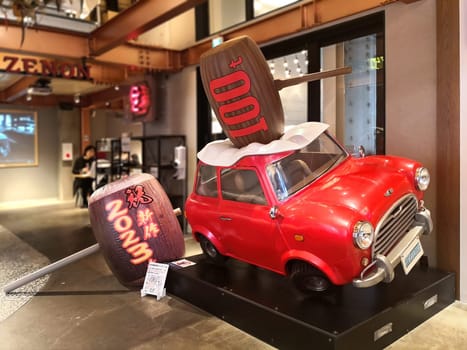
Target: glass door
349 104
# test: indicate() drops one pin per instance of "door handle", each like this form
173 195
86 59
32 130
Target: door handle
225 218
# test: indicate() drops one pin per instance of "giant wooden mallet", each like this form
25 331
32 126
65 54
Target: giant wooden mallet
243 93
134 223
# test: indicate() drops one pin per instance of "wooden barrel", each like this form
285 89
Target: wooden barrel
134 224
241 90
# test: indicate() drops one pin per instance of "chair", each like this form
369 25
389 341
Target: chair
296 171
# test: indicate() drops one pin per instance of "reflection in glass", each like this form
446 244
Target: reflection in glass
348 103
294 98
294 172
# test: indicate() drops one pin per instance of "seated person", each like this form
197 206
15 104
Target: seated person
83 172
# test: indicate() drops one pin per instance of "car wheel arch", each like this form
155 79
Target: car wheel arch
212 239
297 256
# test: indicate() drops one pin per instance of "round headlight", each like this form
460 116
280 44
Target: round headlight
422 178
363 234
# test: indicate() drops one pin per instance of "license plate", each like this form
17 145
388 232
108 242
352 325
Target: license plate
411 255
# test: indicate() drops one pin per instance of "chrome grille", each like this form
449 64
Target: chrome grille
394 224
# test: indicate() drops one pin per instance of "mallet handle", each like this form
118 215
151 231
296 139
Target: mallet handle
280 84
51 268
59 264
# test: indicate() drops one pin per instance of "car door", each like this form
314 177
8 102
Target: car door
248 232
204 202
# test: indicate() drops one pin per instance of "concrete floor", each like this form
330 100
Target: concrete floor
82 306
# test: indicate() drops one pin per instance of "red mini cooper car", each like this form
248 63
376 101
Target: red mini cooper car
302 206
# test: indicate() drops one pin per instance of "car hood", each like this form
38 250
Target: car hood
366 186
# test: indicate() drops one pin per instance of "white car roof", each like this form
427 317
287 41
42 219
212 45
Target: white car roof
224 153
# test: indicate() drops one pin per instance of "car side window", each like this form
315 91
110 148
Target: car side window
242 185
207 181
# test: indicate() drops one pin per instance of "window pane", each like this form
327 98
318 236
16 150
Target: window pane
294 98
225 13
207 181
296 171
216 127
241 186
264 6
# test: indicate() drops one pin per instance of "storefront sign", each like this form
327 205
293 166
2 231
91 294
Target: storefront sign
44 67
139 99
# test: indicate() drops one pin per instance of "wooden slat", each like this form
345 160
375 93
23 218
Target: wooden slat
448 137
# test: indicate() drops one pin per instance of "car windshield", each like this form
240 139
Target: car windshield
299 169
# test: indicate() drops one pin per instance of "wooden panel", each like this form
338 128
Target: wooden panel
448 137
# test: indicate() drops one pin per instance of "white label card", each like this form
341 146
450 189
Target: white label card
154 281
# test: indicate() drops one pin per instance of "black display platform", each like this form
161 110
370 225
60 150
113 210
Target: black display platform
267 306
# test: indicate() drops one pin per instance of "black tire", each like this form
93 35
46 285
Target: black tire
210 251
308 279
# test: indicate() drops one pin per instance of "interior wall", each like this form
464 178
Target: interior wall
37 182
179 115
110 124
410 62
69 123
225 13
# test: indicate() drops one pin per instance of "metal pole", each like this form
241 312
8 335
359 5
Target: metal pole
51 268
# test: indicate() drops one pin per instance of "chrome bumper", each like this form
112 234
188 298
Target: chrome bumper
383 266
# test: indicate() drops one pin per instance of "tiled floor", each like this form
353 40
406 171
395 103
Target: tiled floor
82 306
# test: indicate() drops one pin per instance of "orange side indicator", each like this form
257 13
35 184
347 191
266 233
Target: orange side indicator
299 238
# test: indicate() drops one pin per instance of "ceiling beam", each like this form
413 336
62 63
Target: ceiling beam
41 41
99 72
294 19
105 98
105 73
134 56
17 90
113 59
135 20
72 46
43 101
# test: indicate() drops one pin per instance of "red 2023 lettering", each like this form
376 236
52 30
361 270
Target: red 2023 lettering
230 92
130 241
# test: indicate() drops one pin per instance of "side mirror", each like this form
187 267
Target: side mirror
361 151
273 212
